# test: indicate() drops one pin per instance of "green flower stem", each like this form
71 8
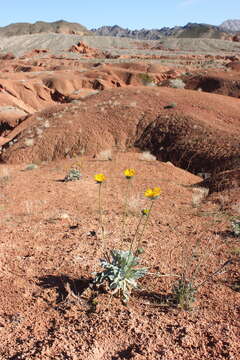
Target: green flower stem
100 209
125 212
136 232
144 227
134 237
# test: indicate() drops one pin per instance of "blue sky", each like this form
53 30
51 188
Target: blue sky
134 14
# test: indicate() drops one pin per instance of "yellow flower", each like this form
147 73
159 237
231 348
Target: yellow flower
145 212
99 178
153 194
129 173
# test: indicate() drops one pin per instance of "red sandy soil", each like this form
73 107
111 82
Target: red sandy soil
40 79
46 244
60 113
224 83
187 135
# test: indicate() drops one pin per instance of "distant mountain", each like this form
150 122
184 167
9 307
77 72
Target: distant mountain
230 25
60 27
143 34
191 30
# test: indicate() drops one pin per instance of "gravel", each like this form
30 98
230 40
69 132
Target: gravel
57 43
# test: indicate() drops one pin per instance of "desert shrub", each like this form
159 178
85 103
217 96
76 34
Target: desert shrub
170 106
187 285
147 156
29 142
31 167
146 79
104 155
184 293
177 83
236 227
4 175
73 175
199 194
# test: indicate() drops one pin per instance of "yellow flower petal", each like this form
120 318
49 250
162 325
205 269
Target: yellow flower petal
156 191
149 193
153 194
129 173
99 178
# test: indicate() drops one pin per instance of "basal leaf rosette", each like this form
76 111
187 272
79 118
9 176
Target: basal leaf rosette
121 273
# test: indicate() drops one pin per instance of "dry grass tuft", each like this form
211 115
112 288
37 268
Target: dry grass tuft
199 194
147 156
105 155
135 204
4 175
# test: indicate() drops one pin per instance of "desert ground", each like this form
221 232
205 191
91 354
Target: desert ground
170 110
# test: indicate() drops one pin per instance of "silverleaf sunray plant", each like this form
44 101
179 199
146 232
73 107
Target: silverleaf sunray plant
120 273
120 270
73 175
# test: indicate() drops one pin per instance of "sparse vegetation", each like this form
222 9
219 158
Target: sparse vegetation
199 194
170 106
147 156
73 175
186 287
236 226
146 79
31 167
29 142
4 175
177 83
184 293
105 155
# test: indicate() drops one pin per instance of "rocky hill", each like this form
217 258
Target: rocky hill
230 25
190 30
143 34
60 27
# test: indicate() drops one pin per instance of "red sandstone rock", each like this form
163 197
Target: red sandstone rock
234 65
8 56
236 38
84 49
